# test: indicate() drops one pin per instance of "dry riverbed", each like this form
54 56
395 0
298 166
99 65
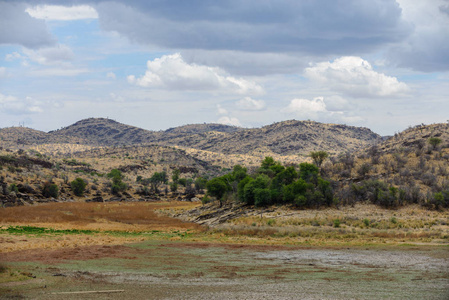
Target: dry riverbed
157 257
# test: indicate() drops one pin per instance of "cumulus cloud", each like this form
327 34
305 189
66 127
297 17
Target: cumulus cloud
13 105
355 77
62 13
248 103
317 109
226 120
172 72
18 27
305 106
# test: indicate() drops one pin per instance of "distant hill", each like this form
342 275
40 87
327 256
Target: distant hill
283 138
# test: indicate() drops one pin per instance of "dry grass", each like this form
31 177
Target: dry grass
360 224
134 216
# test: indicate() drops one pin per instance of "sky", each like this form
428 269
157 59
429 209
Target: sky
156 64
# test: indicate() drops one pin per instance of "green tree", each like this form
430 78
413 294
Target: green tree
175 175
50 190
292 191
200 183
238 173
117 184
267 162
182 181
217 188
319 157
308 172
434 141
261 182
78 186
262 197
157 179
115 174
241 188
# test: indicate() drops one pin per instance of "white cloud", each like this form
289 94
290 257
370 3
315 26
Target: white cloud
111 75
49 55
12 56
172 72
13 105
116 98
248 103
229 121
318 109
62 13
354 76
305 106
221 110
65 72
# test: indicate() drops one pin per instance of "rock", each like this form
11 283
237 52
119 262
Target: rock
95 199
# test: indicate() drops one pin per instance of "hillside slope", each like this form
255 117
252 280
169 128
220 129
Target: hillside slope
406 162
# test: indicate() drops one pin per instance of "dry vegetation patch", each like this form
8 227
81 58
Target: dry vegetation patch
134 216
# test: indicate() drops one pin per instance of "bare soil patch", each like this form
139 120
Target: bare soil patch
78 253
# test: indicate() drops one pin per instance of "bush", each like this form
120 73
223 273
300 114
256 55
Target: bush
78 186
434 141
366 222
364 169
50 190
13 188
337 223
117 184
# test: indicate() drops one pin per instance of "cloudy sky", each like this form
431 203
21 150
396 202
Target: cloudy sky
155 64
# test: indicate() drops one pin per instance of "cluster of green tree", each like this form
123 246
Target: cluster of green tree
273 183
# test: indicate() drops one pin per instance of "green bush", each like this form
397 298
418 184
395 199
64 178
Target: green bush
50 190
13 188
337 223
78 186
366 222
117 184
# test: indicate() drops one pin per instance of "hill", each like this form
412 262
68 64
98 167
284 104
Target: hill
406 168
283 138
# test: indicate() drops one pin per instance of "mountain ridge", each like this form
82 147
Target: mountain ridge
284 138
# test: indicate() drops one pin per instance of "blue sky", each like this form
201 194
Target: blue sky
381 64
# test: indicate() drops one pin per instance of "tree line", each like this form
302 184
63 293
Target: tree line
273 183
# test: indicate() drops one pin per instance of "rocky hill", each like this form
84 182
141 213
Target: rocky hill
409 167
283 138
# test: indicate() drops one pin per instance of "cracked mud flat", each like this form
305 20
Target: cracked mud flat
178 270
